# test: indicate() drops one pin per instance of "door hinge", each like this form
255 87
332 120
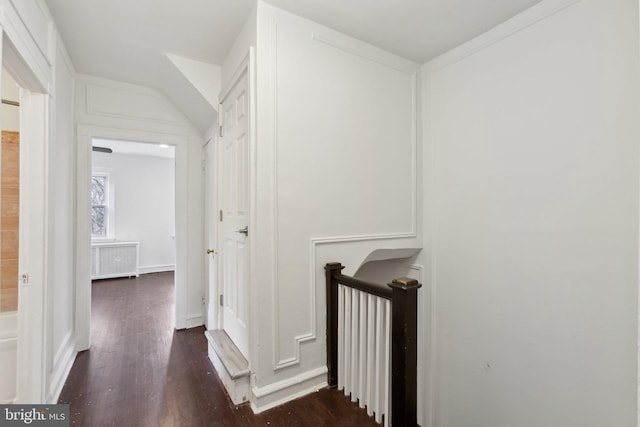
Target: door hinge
25 278
220 215
221 132
221 300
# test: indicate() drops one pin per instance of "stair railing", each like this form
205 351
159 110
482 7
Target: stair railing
359 343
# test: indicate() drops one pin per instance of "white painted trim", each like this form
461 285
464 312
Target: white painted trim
91 87
237 74
156 268
314 285
63 348
293 361
366 51
194 321
254 252
30 54
522 21
64 360
8 325
83 244
83 266
8 402
379 56
312 335
8 342
64 54
276 394
33 310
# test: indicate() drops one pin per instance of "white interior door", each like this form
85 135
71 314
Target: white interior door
234 250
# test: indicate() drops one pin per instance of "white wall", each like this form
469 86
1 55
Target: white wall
532 217
61 232
144 205
335 178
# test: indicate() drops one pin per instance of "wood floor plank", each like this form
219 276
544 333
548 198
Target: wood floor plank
141 372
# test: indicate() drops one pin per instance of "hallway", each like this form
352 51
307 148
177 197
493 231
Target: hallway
141 372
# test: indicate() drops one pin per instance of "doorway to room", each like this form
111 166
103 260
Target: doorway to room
132 215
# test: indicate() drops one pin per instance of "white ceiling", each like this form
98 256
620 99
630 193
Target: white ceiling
136 148
418 30
126 40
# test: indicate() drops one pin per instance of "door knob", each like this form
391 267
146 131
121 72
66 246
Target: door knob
244 231
211 251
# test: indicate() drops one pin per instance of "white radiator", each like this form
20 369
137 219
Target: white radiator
364 352
114 259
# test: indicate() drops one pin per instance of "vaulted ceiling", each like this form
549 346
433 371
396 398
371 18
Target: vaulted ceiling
127 40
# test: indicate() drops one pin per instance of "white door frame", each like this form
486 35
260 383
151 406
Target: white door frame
32 309
248 65
33 231
210 228
85 134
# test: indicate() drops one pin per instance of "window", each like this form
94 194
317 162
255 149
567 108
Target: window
99 205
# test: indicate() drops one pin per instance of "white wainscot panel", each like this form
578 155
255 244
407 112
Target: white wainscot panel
8 356
109 101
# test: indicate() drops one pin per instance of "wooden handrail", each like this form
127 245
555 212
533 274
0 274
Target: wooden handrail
361 285
403 294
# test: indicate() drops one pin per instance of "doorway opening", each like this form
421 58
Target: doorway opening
132 214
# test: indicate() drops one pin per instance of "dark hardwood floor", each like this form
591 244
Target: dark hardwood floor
141 372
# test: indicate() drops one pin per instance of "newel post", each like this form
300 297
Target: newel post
331 270
404 352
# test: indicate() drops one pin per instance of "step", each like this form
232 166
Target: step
230 364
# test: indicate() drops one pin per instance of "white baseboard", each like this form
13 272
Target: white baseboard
276 394
65 357
194 321
156 268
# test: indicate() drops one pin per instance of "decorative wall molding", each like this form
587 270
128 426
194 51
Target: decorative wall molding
276 394
27 39
313 285
362 50
105 100
358 48
8 342
36 21
193 321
